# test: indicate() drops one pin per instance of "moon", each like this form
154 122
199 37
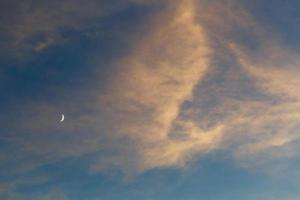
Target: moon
62 118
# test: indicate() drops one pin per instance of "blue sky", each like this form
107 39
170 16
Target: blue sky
182 100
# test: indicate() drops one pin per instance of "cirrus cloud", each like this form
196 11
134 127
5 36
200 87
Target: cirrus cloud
188 87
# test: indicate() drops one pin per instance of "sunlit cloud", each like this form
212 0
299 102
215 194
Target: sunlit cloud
189 87
275 126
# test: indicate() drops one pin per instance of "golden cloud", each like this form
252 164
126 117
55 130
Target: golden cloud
273 126
154 80
137 122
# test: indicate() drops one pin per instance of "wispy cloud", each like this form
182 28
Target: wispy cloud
159 75
33 26
275 126
190 86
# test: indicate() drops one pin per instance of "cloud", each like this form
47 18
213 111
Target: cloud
152 83
274 127
277 72
190 86
33 26
138 108
8 188
53 194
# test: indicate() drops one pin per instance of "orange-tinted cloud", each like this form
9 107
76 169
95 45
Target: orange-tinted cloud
194 53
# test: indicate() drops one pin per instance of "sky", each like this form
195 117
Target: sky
163 100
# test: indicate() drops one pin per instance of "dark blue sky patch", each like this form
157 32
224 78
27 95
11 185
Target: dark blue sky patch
281 18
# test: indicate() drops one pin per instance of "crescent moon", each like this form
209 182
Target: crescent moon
62 118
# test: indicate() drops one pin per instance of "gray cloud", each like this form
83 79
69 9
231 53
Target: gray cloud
33 26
